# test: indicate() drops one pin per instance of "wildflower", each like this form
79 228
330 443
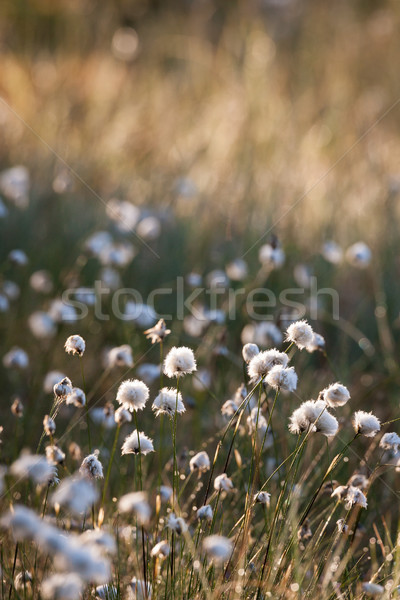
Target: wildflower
168 401
23 582
256 419
106 592
317 343
176 524
54 454
218 548
76 397
359 255
133 394
249 351
63 388
22 522
17 408
332 252
34 466
18 257
99 539
281 378
75 494
42 325
223 483
228 409
165 493
157 333
75 344
390 441
85 561
51 378
103 416
366 423
237 269
263 334
120 356
312 415
335 395
373 589
263 362
358 480
262 498
200 462
136 502
205 512
271 256
140 589
91 467
300 333
40 281
161 550
61 312
75 451
16 358
49 425
179 362
148 372
350 496
133 445
67 586
122 416
342 527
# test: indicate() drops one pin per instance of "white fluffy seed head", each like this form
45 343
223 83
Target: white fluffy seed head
282 378
168 401
75 494
366 423
136 503
317 343
49 425
373 589
262 498
137 442
91 467
65 586
249 351
179 362
76 397
16 358
313 415
263 362
121 356
335 395
218 548
359 255
390 441
35 467
122 416
63 388
205 513
176 524
75 344
300 333
223 483
133 394
200 462
161 550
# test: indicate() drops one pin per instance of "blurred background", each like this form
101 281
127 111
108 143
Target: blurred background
189 133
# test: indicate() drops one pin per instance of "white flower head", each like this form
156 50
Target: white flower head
91 467
366 423
218 548
282 378
373 589
16 358
313 415
65 586
176 524
223 483
179 361
136 503
120 356
263 362
262 498
75 494
228 409
161 550
49 425
75 344
271 256
205 513
133 394
98 539
390 441
249 351
122 416
359 255
42 325
200 462
63 388
165 492
106 592
157 333
33 466
140 590
137 442
22 522
335 395
350 495
168 401
54 454
317 343
300 333
76 397
23 581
